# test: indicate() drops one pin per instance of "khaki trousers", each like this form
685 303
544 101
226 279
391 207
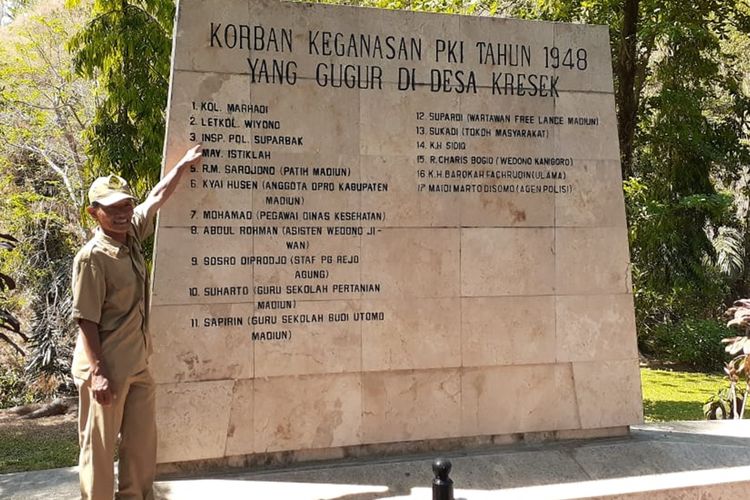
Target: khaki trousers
132 416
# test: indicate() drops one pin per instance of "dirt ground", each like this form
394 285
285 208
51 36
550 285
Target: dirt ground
66 423
56 427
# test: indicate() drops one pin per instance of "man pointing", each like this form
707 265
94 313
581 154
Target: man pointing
110 362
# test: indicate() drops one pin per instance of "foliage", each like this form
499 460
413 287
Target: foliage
43 108
44 111
730 251
44 271
721 405
674 395
682 117
691 342
669 286
8 321
125 46
14 390
476 7
738 368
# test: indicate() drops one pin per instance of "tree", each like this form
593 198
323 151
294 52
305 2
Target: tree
126 47
630 71
44 110
477 7
682 119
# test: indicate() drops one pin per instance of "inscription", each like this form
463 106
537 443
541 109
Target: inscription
247 37
281 205
272 336
367 46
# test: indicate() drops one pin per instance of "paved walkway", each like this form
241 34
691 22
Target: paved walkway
677 460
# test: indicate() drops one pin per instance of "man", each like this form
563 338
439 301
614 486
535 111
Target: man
110 363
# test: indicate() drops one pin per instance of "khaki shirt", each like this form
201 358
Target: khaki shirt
110 288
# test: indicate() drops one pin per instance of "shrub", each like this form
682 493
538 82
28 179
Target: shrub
721 405
8 321
14 390
694 342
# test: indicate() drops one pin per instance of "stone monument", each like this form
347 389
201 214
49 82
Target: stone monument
407 229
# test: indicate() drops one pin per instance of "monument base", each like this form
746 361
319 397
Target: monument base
654 462
380 450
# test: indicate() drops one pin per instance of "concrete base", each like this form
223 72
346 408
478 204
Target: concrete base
346 454
684 460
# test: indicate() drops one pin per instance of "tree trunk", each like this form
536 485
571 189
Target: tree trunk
59 406
627 94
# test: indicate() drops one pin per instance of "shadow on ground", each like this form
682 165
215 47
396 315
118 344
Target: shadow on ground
663 411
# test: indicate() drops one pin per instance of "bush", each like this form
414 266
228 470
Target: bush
41 265
14 390
721 404
693 342
17 388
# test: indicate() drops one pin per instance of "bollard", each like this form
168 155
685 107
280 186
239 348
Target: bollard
442 485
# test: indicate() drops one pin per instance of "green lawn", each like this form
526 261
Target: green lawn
24 448
673 395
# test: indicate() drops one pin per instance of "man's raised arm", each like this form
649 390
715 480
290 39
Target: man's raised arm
165 187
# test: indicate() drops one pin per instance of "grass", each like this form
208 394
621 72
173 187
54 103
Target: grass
25 447
673 395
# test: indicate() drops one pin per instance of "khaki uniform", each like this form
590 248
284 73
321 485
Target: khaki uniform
110 288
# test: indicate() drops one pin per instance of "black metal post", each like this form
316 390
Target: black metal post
442 485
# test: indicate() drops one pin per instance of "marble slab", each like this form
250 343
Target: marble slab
501 331
322 411
410 405
507 399
613 388
203 409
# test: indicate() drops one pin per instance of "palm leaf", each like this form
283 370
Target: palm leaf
730 253
13 344
6 282
9 322
8 237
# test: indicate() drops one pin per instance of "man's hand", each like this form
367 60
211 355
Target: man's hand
191 156
165 187
101 390
100 386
